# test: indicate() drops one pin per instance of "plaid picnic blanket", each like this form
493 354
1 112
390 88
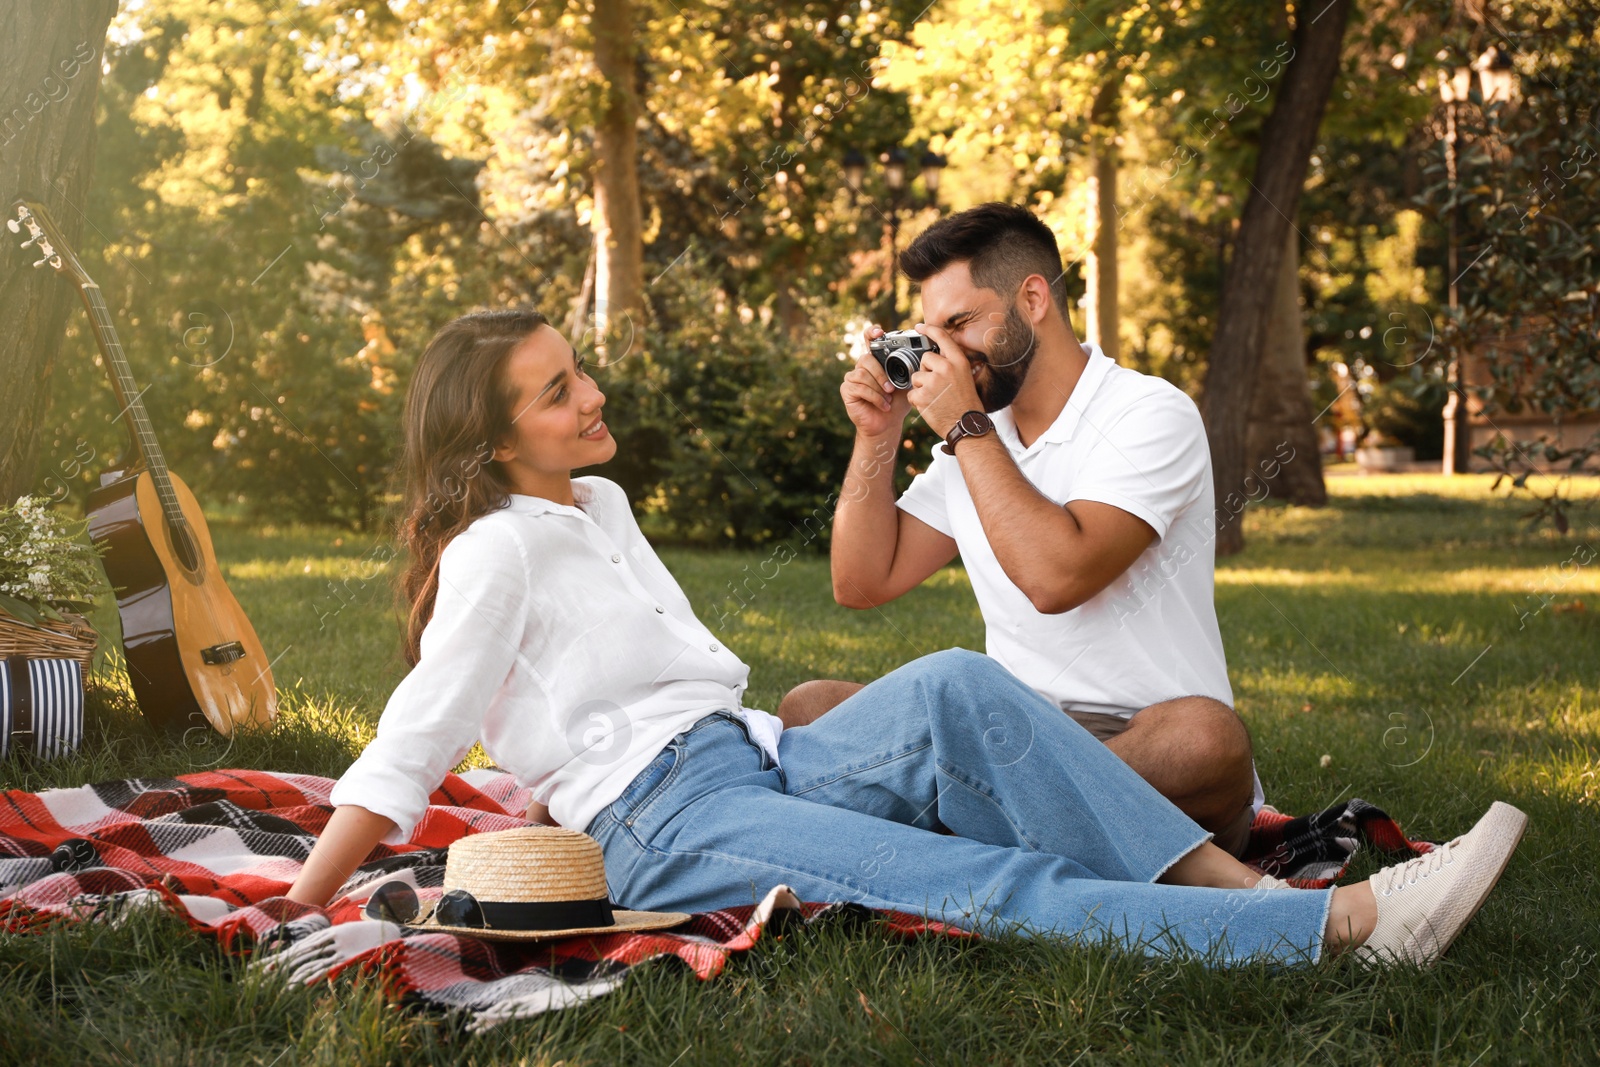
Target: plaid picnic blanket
219 849
1314 851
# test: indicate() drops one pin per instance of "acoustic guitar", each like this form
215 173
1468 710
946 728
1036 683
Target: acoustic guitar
193 658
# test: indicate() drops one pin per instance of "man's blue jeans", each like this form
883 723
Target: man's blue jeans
1054 833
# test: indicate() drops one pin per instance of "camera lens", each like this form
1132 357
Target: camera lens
900 366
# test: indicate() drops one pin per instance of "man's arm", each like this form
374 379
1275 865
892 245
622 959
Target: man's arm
879 551
1060 556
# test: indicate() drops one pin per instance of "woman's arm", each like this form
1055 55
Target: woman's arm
348 838
471 653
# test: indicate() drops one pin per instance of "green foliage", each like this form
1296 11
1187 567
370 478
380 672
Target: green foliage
1527 205
1406 410
729 431
260 395
292 199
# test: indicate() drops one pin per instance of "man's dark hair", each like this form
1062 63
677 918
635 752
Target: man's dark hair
1000 243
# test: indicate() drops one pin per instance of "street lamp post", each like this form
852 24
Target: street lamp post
1497 77
1497 80
1453 90
901 200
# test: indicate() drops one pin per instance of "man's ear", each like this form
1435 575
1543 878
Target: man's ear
1036 298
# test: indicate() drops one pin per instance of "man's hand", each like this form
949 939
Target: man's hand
943 390
875 406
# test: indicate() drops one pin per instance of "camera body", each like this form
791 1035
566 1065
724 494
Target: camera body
900 354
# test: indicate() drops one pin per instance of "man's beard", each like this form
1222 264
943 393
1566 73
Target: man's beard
1008 360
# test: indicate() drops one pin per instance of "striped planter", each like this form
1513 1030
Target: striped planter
41 706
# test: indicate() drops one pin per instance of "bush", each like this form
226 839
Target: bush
729 433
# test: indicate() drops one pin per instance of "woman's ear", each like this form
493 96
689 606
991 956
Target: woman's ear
504 452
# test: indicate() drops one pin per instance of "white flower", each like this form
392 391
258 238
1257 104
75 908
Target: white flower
1326 761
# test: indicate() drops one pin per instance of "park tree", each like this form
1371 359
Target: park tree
1287 138
1102 319
1046 109
618 229
794 89
739 118
47 112
1182 87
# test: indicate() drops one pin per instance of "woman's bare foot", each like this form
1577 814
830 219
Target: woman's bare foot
1351 917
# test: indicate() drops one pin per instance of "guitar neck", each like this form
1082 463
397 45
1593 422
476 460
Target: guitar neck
131 398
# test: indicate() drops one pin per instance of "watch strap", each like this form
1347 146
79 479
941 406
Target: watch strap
959 430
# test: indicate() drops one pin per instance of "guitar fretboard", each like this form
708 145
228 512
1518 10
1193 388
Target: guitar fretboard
129 395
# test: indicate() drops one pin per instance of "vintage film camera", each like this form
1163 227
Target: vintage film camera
900 354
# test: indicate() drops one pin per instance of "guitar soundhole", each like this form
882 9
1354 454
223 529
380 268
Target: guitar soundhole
185 548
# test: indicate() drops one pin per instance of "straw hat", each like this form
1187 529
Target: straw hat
536 883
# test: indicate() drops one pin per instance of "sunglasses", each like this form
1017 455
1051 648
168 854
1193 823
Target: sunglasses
397 902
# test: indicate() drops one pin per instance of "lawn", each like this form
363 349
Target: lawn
1413 644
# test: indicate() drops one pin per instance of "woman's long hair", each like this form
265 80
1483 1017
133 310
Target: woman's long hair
457 409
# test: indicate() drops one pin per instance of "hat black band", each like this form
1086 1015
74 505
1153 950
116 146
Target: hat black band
543 915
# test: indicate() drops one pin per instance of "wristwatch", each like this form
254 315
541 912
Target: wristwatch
972 424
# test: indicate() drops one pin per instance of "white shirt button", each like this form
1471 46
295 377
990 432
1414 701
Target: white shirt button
616 557
660 610
715 647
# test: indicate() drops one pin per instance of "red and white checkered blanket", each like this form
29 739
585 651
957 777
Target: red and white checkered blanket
219 848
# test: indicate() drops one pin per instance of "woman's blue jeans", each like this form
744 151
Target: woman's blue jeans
1053 833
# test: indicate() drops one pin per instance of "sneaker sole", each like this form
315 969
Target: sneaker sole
1494 839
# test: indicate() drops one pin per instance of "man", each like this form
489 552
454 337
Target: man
1078 495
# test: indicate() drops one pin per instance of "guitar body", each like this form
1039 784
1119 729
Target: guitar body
193 657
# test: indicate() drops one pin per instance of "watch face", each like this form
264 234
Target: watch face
975 422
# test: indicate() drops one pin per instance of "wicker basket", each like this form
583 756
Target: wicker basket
72 639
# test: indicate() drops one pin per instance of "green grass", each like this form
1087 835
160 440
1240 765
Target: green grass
1383 631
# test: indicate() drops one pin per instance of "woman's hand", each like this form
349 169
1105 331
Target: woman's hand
347 840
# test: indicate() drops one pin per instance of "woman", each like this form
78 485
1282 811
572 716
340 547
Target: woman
543 624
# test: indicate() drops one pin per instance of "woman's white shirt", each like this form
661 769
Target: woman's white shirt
563 643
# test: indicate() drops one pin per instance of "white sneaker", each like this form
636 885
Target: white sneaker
1269 882
1424 903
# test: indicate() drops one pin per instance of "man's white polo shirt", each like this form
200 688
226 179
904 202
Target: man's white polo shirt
1135 442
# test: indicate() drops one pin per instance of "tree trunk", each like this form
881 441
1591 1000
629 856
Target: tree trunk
1287 138
788 312
578 321
619 247
47 106
1100 266
1281 447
